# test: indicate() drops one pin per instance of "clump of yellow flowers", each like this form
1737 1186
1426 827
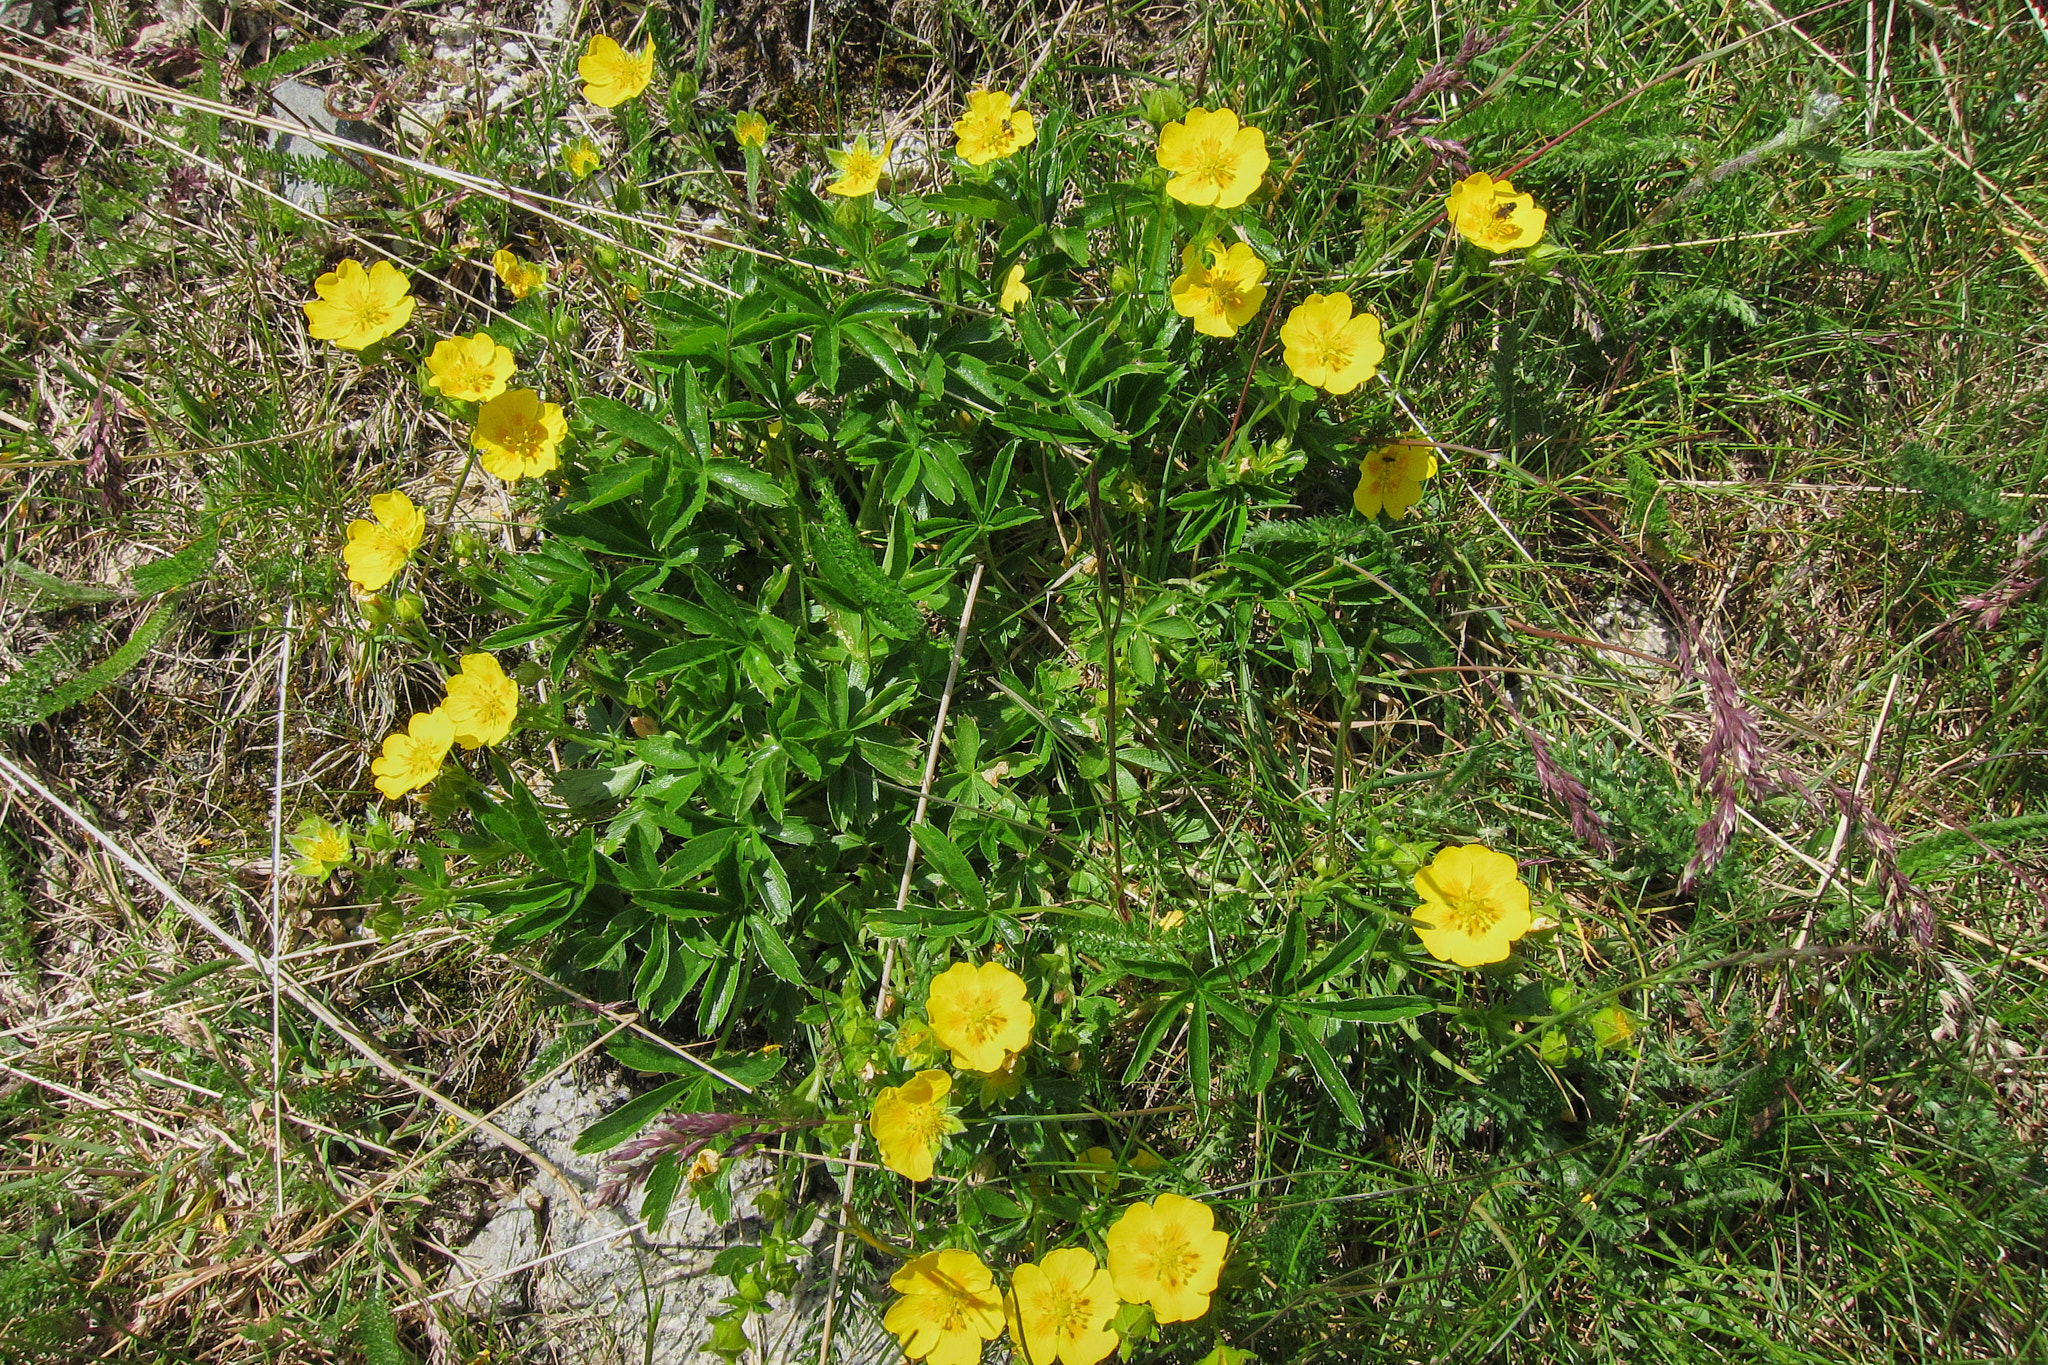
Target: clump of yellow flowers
478 709
1166 1255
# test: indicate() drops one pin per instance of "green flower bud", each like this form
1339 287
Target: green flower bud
1163 104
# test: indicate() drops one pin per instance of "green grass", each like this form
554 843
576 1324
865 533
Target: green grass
1784 391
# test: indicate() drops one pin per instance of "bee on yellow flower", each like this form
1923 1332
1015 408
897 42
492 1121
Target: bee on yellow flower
1390 477
991 129
1491 216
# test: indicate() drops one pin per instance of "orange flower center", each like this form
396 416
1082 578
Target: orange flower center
1330 349
1176 1258
985 1018
862 166
1469 912
522 436
1215 163
923 1124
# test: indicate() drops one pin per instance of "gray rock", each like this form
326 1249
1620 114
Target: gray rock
306 105
606 1292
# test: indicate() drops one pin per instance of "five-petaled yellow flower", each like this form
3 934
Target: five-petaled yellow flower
359 307
322 846
1491 216
611 75
520 276
482 702
980 1013
473 369
517 435
949 1307
1390 478
1215 162
1223 294
1329 348
413 756
860 167
750 130
1474 905
1016 293
991 129
1059 1309
377 550
912 1121
581 157
1168 1253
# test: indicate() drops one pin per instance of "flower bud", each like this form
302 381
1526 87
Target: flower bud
1163 104
411 609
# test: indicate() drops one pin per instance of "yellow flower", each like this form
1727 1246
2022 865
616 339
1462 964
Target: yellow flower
704 1167
1214 161
1222 295
521 277
1613 1026
376 551
860 167
980 1013
990 129
1059 1309
482 702
1474 905
412 756
912 1121
517 435
1491 216
1327 347
473 369
1016 293
611 75
358 307
321 845
1390 478
581 157
1171 920
750 130
1168 1253
949 1307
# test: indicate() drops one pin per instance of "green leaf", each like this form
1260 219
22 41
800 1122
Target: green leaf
1198 1059
775 951
631 423
102 674
660 1191
1349 950
629 1118
946 858
307 54
29 586
750 483
1155 1030
1309 1045
695 417
636 1053
1380 1009
1265 1050
186 566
